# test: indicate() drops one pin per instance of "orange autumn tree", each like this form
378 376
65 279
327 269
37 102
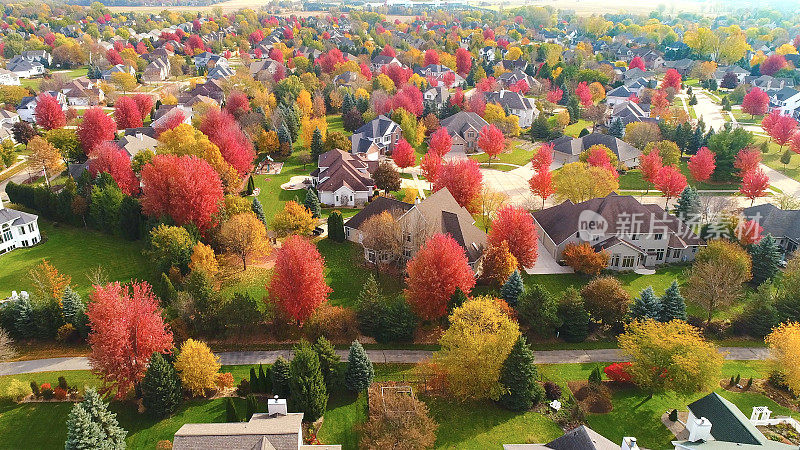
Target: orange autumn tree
48 282
583 258
437 270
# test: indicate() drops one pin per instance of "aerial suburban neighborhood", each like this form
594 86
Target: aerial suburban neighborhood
565 225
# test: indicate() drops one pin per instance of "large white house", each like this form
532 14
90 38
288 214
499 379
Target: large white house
17 229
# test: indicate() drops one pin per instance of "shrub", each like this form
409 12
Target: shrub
552 390
47 391
35 389
334 322
749 383
596 377
17 390
60 394
224 380
673 415
243 389
618 372
396 420
66 333
62 383
387 320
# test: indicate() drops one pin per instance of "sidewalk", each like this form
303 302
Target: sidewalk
376 356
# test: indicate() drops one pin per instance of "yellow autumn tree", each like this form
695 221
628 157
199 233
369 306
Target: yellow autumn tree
44 157
293 219
786 49
579 182
48 282
203 258
784 346
197 367
244 235
308 125
758 58
672 356
474 347
597 91
304 102
188 140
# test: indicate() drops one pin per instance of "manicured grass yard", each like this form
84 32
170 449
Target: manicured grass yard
575 128
632 180
773 159
75 252
742 117
272 197
517 156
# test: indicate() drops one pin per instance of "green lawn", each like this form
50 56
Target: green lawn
517 156
575 128
773 159
335 123
272 197
746 118
75 252
632 180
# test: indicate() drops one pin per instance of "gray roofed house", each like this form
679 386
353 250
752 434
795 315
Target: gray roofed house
220 71
683 66
517 64
714 423
439 213
380 61
579 438
464 128
135 143
262 431
347 78
119 68
17 229
606 223
263 69
343 179
24 68
769 83
515 76
636 85
438 72
628 112
376 137
782 224
516 104
618 95
567 149
437 96
632 74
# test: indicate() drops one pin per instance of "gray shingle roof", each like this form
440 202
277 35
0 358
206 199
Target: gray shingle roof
777 222
575 146
375 207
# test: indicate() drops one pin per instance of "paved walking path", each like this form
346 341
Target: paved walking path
377 356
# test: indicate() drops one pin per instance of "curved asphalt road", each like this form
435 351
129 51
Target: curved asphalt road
377 356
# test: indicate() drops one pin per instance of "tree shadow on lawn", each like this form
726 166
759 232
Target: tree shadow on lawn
345 413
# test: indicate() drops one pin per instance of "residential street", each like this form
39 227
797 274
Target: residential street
377 356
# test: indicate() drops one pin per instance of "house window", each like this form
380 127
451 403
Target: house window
634 237
627 262
408 237
6 233
30 227
347 232
407 253
660 254
21 230
676 253
615 260
658 236
371 256
35 240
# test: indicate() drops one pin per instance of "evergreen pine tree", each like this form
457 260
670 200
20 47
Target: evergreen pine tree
688 206
512 288
130 218
91 425
596 377
258 210
263 384
73 309
616 129
284 136
255 384
759 317
23 323
573 108
161 387
697 139
306 384
519 377
280 377
317 144
328 360
292 115
359 373
646 305
231 415
786 158
251 185
347 104
672 304
169 293
336 227
574 317
766 256
312 203
539 128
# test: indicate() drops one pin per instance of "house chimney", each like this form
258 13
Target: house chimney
629 443
277 406
699 429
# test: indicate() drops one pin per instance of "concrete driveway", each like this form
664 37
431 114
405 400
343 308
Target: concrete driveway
545 264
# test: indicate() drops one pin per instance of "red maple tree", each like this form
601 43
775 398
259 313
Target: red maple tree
598 157
783 129
702 164
515 226
127 114
670 181
488 84
144 103
636 63
430 165
397 73
168 121
408 97
541 184
650 165
769 120
113 57
403 155
555 95
48 112
433 275
584 94
619 372
108 157
477 103
298 282
754 184
127 328
440 142
185 188
491 141
463 179
96 127
237 104
463 61
431 57
747 160
773 64
388 51
223 130
755 102
543 157
672 79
